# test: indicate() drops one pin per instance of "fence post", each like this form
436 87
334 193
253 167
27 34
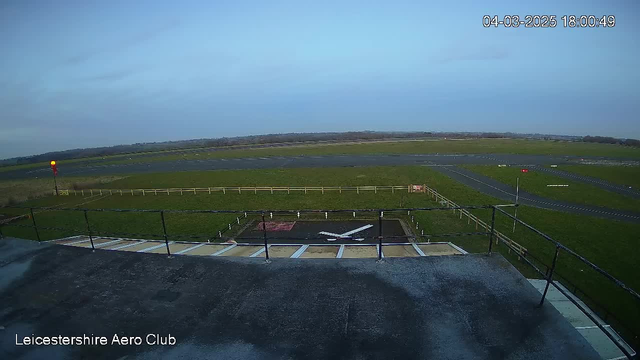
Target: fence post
86 220
493 223
33 219
380 235
164 231
550 276
1 234
264 235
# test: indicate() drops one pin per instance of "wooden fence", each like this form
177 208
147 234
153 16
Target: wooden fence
243 189
512 245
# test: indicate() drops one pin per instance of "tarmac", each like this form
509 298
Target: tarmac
445 307
96 168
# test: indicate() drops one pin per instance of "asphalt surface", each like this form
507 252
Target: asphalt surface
507 193
295 162
307 232
447 307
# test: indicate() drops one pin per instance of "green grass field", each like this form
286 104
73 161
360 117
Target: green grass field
475 146
536 182
622 175
610 244
427 146
12 191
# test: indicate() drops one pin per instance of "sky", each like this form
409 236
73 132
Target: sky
87 73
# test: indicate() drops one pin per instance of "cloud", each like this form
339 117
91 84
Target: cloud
131 41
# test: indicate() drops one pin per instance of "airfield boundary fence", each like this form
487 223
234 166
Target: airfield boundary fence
239 190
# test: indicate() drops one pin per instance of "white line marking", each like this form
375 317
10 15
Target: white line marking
357 230
223 250
255 254
76 242
340 252
457 248
153 247
330 234
345 235
299 252
189 249
126 246
418 250
108 243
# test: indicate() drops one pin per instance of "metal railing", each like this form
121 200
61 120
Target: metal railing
548 275
490 231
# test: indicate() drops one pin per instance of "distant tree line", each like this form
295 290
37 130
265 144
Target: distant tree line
258 140
610 140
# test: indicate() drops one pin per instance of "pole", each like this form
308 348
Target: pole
264 235
86 220
55 183
380 235
550 276
493 224
516 211
33 219
164 231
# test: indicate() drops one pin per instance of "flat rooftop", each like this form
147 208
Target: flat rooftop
440 307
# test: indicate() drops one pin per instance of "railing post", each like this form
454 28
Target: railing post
264 235
380 235
86 220
164 232
33 219
550 276
493 225
1 234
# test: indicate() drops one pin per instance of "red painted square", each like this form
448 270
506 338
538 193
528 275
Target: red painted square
276 225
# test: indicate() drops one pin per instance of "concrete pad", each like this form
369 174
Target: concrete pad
602 344
69 241
437 249
571 312
247 250
141 246
399 251
121 243
96 242
207 250
356 252
280 251
320 252
174 248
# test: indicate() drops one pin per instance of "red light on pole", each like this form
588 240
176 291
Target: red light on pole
55 173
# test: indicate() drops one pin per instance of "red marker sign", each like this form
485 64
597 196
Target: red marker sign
525 170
